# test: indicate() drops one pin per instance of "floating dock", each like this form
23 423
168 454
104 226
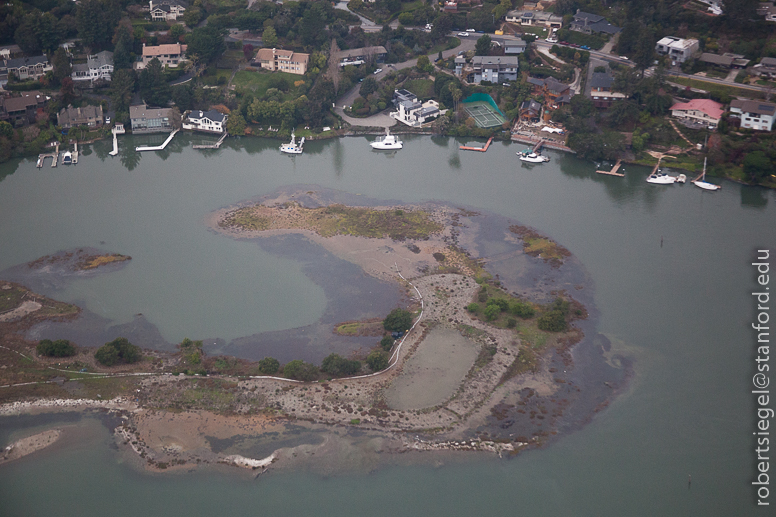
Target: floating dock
217 145
614 170
480 149
75 154
157 147
54 158
115 150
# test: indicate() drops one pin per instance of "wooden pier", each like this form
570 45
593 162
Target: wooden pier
538 145
115 150
217 145
54 158
614 170
75 154
480 149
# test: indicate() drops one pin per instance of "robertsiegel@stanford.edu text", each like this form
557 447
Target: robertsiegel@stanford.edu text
761 379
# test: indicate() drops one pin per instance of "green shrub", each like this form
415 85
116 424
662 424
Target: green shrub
473 307
118 351
58 348
336 365
398 320
386 343
501 303
492 312
377 360
521 309
553 321
511 323
300 370
269 365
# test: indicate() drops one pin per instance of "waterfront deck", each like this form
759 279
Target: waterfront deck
54 158
549 144
217 145
115 150
614 170
142 148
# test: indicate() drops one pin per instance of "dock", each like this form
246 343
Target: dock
75 154
115 150
549 144
614 170
54 158
480 149
142 148
217 145
538 145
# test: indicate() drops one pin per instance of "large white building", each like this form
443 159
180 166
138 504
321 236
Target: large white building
209 121
757 115
411 111
704 112
678 49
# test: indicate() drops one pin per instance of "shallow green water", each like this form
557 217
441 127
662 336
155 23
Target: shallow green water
681 310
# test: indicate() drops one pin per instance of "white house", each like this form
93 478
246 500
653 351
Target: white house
705 112
164 10
768 10
678 49
168 55
24 68
210 121
411 111
757 115
98 66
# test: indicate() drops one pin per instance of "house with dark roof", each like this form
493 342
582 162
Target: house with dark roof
757 115
208 121
511 47
150 120
601 90
768 10
22 110
530 111
539 18
90 116
592 24
726 60
766 68
97 66
555 92
24 68
496 69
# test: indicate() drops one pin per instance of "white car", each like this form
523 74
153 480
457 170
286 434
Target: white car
469 30
377 71
463 34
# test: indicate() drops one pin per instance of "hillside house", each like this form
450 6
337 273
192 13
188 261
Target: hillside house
592 24
555 93
279 60
24 68
678 49
22 110
90 116
757 115
166 10
766 68
170 56
699 112
97 66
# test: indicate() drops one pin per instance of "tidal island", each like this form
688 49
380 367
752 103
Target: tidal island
479 358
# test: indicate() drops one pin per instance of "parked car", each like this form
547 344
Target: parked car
470 30
585 47
463 34
107 120
564 42
377 71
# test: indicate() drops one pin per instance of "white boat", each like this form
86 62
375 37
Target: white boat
67 158
532 157
661 178
702 183
681 178
388 142
292 147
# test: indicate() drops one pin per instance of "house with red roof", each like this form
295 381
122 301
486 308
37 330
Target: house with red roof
703 112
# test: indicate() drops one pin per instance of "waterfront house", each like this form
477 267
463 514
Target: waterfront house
601 90
678 49
97 66
530 111
555 93
170 56
166 10
700 112
411 111
208 121
90 116
757 115
150 120
282 60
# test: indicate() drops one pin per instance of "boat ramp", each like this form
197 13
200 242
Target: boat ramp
142 148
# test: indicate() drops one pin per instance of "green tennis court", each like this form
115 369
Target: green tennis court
483 114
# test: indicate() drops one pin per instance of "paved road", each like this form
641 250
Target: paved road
382 119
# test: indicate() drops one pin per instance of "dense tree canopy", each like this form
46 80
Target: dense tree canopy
153 85
398 320
118 351
58 348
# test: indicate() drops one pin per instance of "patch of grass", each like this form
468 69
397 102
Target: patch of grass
423 88
259 82
10 298
526 361
537 245
732 91
348 329
370 327
96 261
433 52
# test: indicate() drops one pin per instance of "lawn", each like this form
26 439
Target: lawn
260 82
594 42
423 88
434 51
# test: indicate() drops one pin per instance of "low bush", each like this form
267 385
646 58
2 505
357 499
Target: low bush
58 348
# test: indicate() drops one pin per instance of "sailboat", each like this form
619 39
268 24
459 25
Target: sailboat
292 147
702 183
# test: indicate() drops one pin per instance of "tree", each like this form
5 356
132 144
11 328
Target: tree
333 70
757 166
482 47
398 320
248 52
122 50
67 91
96 21
192 17
153 86
58 348
269 37
492 312
336 365
386 343
176 31
120 350
368 87
552 321
6 129
502 9
300 370
424 64
269 365
61 64
122 89
235 124
377 360
205 44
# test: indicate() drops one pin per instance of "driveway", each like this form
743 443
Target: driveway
382 119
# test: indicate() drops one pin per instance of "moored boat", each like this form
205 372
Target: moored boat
67 158
702 183
388 142
661 178
532 157
292 147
